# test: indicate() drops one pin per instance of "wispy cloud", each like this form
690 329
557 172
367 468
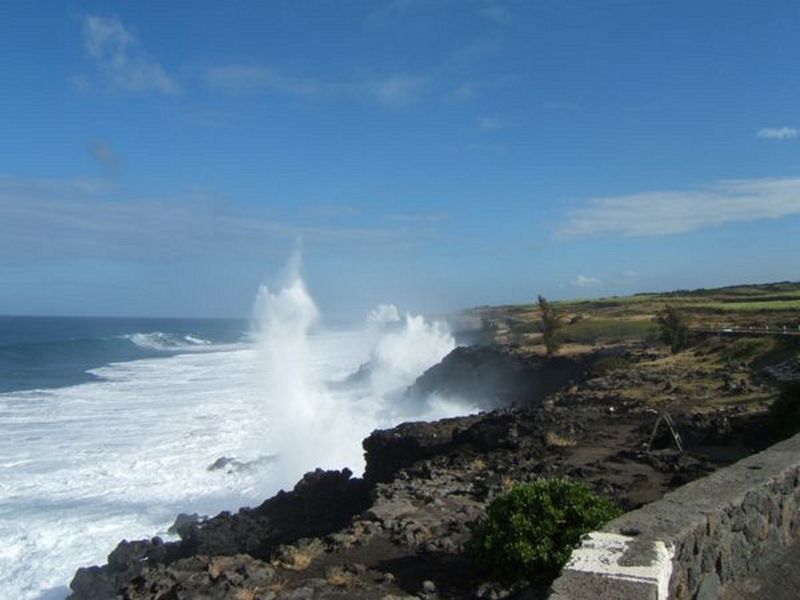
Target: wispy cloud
102 152
392 10
470 90
392 91
493 123
13 186
498 14
121 60
419 217
671 212
463 92
398 90
777 133
84 218
584 281
240 79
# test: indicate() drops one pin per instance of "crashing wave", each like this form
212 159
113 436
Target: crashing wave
168 342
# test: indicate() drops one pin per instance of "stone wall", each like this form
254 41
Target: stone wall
696 538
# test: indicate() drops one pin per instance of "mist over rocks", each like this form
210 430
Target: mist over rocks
402 530
496 376
406 523
323 503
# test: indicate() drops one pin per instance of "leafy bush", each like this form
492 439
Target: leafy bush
784 414
530 532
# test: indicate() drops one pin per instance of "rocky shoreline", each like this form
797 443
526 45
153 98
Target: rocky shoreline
400 531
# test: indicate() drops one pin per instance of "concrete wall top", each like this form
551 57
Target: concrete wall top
695 538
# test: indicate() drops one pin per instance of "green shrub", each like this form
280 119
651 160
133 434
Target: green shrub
530 532
784 414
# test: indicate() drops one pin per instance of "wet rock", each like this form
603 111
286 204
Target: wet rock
183 522
495 376
321 503
784 372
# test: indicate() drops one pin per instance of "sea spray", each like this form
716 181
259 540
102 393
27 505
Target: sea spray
401 354
313 424
294 399
84 466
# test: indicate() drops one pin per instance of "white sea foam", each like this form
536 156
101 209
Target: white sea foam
83 467
156 340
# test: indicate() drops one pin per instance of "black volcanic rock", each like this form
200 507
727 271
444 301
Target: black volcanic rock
322 502
494 376
402 531
389 450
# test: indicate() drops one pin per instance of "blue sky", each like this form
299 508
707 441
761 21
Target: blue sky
164 158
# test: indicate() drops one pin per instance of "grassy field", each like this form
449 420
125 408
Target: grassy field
593 321
759 305
593 331
712 373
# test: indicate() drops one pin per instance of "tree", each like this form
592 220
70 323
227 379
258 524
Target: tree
674 328
551 323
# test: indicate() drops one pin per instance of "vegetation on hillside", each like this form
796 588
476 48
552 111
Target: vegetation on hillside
551 323
622 319
673 328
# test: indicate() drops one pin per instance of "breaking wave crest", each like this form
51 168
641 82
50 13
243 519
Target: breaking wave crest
184 425
168 342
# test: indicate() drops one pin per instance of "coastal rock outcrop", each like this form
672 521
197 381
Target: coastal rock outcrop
495 376
321 503
401 531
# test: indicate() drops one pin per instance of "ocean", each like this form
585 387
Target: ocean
109 427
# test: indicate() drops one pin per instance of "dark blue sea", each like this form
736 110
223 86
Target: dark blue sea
50 352
108 427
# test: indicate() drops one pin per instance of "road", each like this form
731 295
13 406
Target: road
749 332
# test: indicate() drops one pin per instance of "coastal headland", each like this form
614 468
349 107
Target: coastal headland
589 413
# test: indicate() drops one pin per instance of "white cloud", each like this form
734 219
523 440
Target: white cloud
777 133
120 58
585 281
493 123
671 212
630 274
85 218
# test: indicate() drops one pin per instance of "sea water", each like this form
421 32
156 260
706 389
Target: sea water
110 427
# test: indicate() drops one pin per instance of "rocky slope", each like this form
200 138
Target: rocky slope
400 531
